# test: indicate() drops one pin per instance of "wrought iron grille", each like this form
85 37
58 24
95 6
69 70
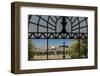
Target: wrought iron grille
57 27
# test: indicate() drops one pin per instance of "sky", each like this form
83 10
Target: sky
51 42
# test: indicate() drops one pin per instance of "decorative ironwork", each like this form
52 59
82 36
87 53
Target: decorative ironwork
48 25
57 27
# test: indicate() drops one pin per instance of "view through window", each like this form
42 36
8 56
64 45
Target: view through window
57 37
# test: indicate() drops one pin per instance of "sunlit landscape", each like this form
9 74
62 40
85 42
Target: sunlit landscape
57 49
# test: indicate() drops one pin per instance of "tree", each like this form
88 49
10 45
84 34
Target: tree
73 49
31 46
83 48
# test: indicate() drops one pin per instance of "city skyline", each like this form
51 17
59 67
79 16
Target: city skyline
51 42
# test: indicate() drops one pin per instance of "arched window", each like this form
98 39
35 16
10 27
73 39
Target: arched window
57 29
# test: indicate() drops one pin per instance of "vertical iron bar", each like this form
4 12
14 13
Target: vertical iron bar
63 50
47 36
79 41
29 17
38 25
56 27
71 27
47 48
87 35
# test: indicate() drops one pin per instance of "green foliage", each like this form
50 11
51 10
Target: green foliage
83 48
30 54
31 46
73 49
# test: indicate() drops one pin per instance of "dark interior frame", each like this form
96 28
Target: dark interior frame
15 37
